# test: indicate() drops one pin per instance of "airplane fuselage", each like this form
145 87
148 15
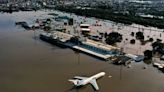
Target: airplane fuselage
86 81
81 81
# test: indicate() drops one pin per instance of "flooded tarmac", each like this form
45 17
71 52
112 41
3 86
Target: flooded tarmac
31 65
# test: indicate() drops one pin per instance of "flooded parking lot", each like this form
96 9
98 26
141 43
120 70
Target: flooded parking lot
31 65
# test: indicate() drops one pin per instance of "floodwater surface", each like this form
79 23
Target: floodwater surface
31 65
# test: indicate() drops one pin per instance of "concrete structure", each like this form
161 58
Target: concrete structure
91 47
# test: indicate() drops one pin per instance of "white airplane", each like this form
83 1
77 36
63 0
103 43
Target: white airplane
81 81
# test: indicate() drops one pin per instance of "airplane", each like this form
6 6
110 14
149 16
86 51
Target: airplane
81 81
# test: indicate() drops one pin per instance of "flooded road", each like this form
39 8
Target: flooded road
31 65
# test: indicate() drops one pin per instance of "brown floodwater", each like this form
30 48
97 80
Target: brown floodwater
31 65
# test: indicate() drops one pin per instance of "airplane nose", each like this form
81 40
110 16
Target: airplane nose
103 73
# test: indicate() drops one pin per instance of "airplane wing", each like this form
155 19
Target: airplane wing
94 84
73 81
79 77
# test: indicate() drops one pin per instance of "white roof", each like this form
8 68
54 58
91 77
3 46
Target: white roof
85 29
84 24
159 65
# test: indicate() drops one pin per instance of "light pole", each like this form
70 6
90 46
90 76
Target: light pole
78 37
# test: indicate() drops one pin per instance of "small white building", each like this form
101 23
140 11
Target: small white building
85 29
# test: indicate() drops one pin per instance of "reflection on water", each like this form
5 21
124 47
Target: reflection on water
28 65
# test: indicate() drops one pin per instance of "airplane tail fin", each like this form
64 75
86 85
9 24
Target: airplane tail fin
75 82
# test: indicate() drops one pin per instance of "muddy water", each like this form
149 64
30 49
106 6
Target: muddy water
31 65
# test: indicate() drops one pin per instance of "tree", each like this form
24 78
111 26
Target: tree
132 41
157 46
151 39
148 54
139 35
113 37
132 33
